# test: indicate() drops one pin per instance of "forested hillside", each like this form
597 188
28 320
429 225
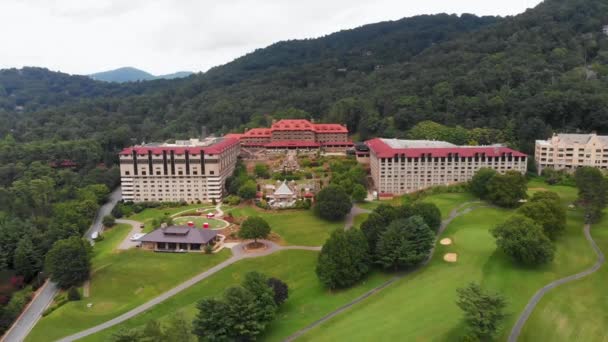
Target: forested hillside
310 75
526 75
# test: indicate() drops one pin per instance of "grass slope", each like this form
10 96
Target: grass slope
121 281
296 227
147 215
422 306
576 311
308 300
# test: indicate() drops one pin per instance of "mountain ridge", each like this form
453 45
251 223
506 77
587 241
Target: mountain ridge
132 74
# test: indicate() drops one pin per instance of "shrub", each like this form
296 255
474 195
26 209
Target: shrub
232 200
73 294
208 249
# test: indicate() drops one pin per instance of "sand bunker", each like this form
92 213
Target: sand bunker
450 257
446 241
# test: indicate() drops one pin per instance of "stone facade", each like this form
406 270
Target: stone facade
571 151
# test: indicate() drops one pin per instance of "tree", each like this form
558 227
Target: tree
344 259
377 222
178 328
523 240
257 284
69 261
248 190
108 221
27 261
405 243
332 203
479 182
483 311
254 227
153 332
213 322
359 193
429 213
546 209
280 290
126 335
261 171
592 192
506 190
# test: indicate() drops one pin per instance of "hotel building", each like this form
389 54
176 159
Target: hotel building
188 170
296 135
570 151
403 166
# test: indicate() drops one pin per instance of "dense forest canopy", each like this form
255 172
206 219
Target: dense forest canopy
526 75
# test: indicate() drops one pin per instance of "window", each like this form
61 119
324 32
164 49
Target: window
127 173
211 172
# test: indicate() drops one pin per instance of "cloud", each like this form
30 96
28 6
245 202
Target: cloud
161 36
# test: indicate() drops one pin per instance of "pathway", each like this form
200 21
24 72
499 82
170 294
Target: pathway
350 217
32 313
238 254
516 330
444 224
135 228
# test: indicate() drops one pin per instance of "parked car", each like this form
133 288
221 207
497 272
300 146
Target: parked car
137 236
210 215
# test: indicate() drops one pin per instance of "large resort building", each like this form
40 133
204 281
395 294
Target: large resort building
403 166
571 151
296 135
189 170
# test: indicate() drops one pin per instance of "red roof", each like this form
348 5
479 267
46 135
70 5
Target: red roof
383 150
337 143
309 195
233 135
292 143
305 125
216 148
257 132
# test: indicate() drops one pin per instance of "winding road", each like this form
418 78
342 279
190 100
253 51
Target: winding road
32 313
523 318
239 253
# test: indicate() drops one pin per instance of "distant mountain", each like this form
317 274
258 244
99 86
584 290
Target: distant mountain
130 74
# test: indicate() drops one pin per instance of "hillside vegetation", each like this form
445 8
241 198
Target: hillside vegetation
526 75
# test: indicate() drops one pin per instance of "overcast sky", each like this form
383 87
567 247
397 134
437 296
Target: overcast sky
162 36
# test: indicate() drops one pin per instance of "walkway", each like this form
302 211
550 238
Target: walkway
238 254
135 228
32 313
350 217
523 318
444 224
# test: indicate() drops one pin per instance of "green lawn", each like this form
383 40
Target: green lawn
359 219
199 220
308 300
448 201
296 227
121 281
147 215
576 311
422 306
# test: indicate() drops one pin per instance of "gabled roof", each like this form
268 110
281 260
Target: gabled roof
180 234
283 190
